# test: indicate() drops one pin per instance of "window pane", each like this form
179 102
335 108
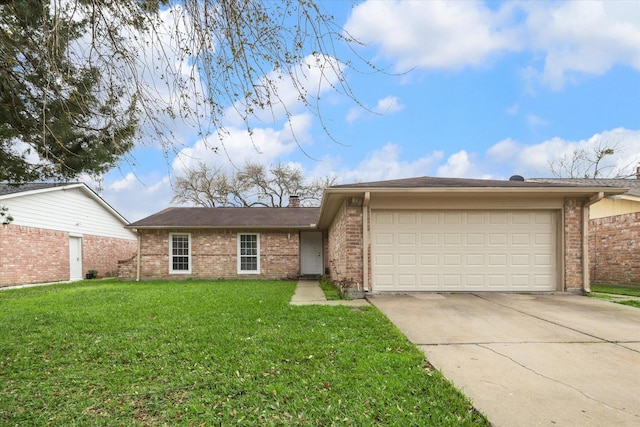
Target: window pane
248 252
180 252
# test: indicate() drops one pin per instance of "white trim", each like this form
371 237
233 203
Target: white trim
171 270
238 256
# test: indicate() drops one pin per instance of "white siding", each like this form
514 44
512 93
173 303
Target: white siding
71 210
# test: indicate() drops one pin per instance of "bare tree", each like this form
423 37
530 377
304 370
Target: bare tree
83 81
252 185
592 162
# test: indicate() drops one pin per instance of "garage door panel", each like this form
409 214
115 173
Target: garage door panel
406 239
429 239
458 250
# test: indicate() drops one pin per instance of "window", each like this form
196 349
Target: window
248 254
180 253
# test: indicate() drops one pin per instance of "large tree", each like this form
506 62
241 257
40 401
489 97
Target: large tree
252 185
82 80
58 117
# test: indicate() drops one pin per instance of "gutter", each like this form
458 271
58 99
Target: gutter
586 282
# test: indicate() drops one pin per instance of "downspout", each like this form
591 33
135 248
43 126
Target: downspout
138 259
586 281
365 241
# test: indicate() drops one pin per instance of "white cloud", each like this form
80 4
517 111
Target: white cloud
513 110
536 121
458 166
432 34
381 164
236 146
314 76
572 38
583 37
533 160
388 105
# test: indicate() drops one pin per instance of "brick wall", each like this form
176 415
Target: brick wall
573 238
103 253
614 249
345 243
36 255
214 255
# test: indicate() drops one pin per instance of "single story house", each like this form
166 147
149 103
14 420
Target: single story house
59 232
614 231
415 234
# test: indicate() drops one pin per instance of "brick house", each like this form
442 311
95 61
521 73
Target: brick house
416 234
59 232
614 231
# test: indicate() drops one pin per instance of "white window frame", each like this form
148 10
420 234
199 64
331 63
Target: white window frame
171 270
239 254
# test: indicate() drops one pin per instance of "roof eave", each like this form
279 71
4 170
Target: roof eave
222 227
333 197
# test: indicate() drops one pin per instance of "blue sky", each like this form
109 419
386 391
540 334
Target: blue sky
475 89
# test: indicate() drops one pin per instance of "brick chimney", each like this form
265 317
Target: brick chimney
638 172
294 201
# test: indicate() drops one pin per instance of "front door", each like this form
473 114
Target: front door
75 258
311 253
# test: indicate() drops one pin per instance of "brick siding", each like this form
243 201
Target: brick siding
573 239
345 243
614 249
36 255
214 255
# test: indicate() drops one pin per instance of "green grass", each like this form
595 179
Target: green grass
618 290
331 291
607 292
209 353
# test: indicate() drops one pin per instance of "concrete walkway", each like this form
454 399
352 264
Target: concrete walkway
308 292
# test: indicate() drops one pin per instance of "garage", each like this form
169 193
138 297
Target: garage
464 250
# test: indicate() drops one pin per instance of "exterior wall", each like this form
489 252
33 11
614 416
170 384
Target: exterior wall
103 253
37 255
573 245
345 244
607 207
614 249
214 255
72 210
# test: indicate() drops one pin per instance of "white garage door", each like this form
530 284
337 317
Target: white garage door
463 250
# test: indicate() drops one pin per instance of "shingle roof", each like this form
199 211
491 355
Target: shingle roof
632 184
437 182
8 188
256 218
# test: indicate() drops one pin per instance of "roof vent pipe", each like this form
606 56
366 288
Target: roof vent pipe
516 178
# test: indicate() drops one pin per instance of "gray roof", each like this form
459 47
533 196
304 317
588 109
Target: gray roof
256 218
437 182
8 188
632 184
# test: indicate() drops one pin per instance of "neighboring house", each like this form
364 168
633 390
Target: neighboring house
416 234
614 231
59 232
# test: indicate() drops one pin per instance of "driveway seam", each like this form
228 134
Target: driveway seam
533 371
545 320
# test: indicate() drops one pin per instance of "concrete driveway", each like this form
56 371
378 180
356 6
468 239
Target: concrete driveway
529 360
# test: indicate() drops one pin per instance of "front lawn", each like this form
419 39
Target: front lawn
209 353
607 292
